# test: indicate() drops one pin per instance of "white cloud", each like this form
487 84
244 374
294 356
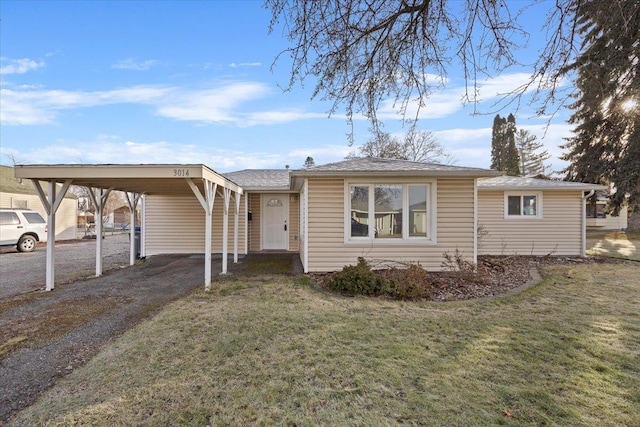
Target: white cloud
105 150
19 66
504 84
277 117
220 104
213 105
38 107
245 64
132 64
451 99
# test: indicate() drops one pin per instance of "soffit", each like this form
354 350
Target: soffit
149 179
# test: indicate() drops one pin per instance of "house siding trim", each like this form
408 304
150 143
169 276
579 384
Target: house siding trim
475 221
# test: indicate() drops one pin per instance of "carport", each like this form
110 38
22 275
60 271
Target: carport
136 181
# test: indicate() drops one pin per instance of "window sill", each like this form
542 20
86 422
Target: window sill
522 217
416 241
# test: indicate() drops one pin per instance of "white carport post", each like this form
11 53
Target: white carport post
143 226
236 197
225 229
132 201
51 202
207 204
99 199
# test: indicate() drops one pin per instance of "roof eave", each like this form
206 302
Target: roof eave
403 173
539 188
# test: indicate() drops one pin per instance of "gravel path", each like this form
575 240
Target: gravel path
25 272
46 335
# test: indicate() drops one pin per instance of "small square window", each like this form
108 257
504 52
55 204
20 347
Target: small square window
523 205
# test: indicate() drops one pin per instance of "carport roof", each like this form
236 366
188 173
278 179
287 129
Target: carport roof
161 179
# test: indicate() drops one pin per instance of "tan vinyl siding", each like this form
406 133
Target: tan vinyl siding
175 224
294 222
66 216
558 232
329 252
254 225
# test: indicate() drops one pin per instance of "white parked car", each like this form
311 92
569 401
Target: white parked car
22 228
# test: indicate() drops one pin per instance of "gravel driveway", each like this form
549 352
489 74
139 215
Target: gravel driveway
46 335
25 272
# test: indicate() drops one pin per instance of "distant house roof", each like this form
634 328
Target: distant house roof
367 166
10 184
521 183
261 179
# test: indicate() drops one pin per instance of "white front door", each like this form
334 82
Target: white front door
275 227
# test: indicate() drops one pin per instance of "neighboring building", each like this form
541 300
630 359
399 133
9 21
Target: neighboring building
599 219
17 194
120 217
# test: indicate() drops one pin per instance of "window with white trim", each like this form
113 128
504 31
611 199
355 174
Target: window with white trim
389 212
523 205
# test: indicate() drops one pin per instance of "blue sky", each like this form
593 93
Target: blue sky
190 82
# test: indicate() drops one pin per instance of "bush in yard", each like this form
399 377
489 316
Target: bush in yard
411 283
358 279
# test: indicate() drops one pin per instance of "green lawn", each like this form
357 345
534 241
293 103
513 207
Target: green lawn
565 352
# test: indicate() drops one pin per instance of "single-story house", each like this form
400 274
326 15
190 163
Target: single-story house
21 194
383 209
409 211
332 214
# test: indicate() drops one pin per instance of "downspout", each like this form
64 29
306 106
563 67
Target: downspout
584 222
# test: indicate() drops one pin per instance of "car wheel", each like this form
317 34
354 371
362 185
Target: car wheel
26 244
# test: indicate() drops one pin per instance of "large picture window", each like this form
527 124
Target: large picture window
389 212
523 205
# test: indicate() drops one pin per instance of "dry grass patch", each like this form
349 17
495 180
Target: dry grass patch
68 315
616 244
280 353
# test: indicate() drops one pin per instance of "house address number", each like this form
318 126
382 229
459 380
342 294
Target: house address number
181 172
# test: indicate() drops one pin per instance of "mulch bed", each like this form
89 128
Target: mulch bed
496 276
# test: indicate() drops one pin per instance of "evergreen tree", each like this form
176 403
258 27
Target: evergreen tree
605 147
510 157
309 162
497 142
504 154
532 154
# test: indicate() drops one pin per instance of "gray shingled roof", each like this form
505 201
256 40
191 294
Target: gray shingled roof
260 179
374 165
520 183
